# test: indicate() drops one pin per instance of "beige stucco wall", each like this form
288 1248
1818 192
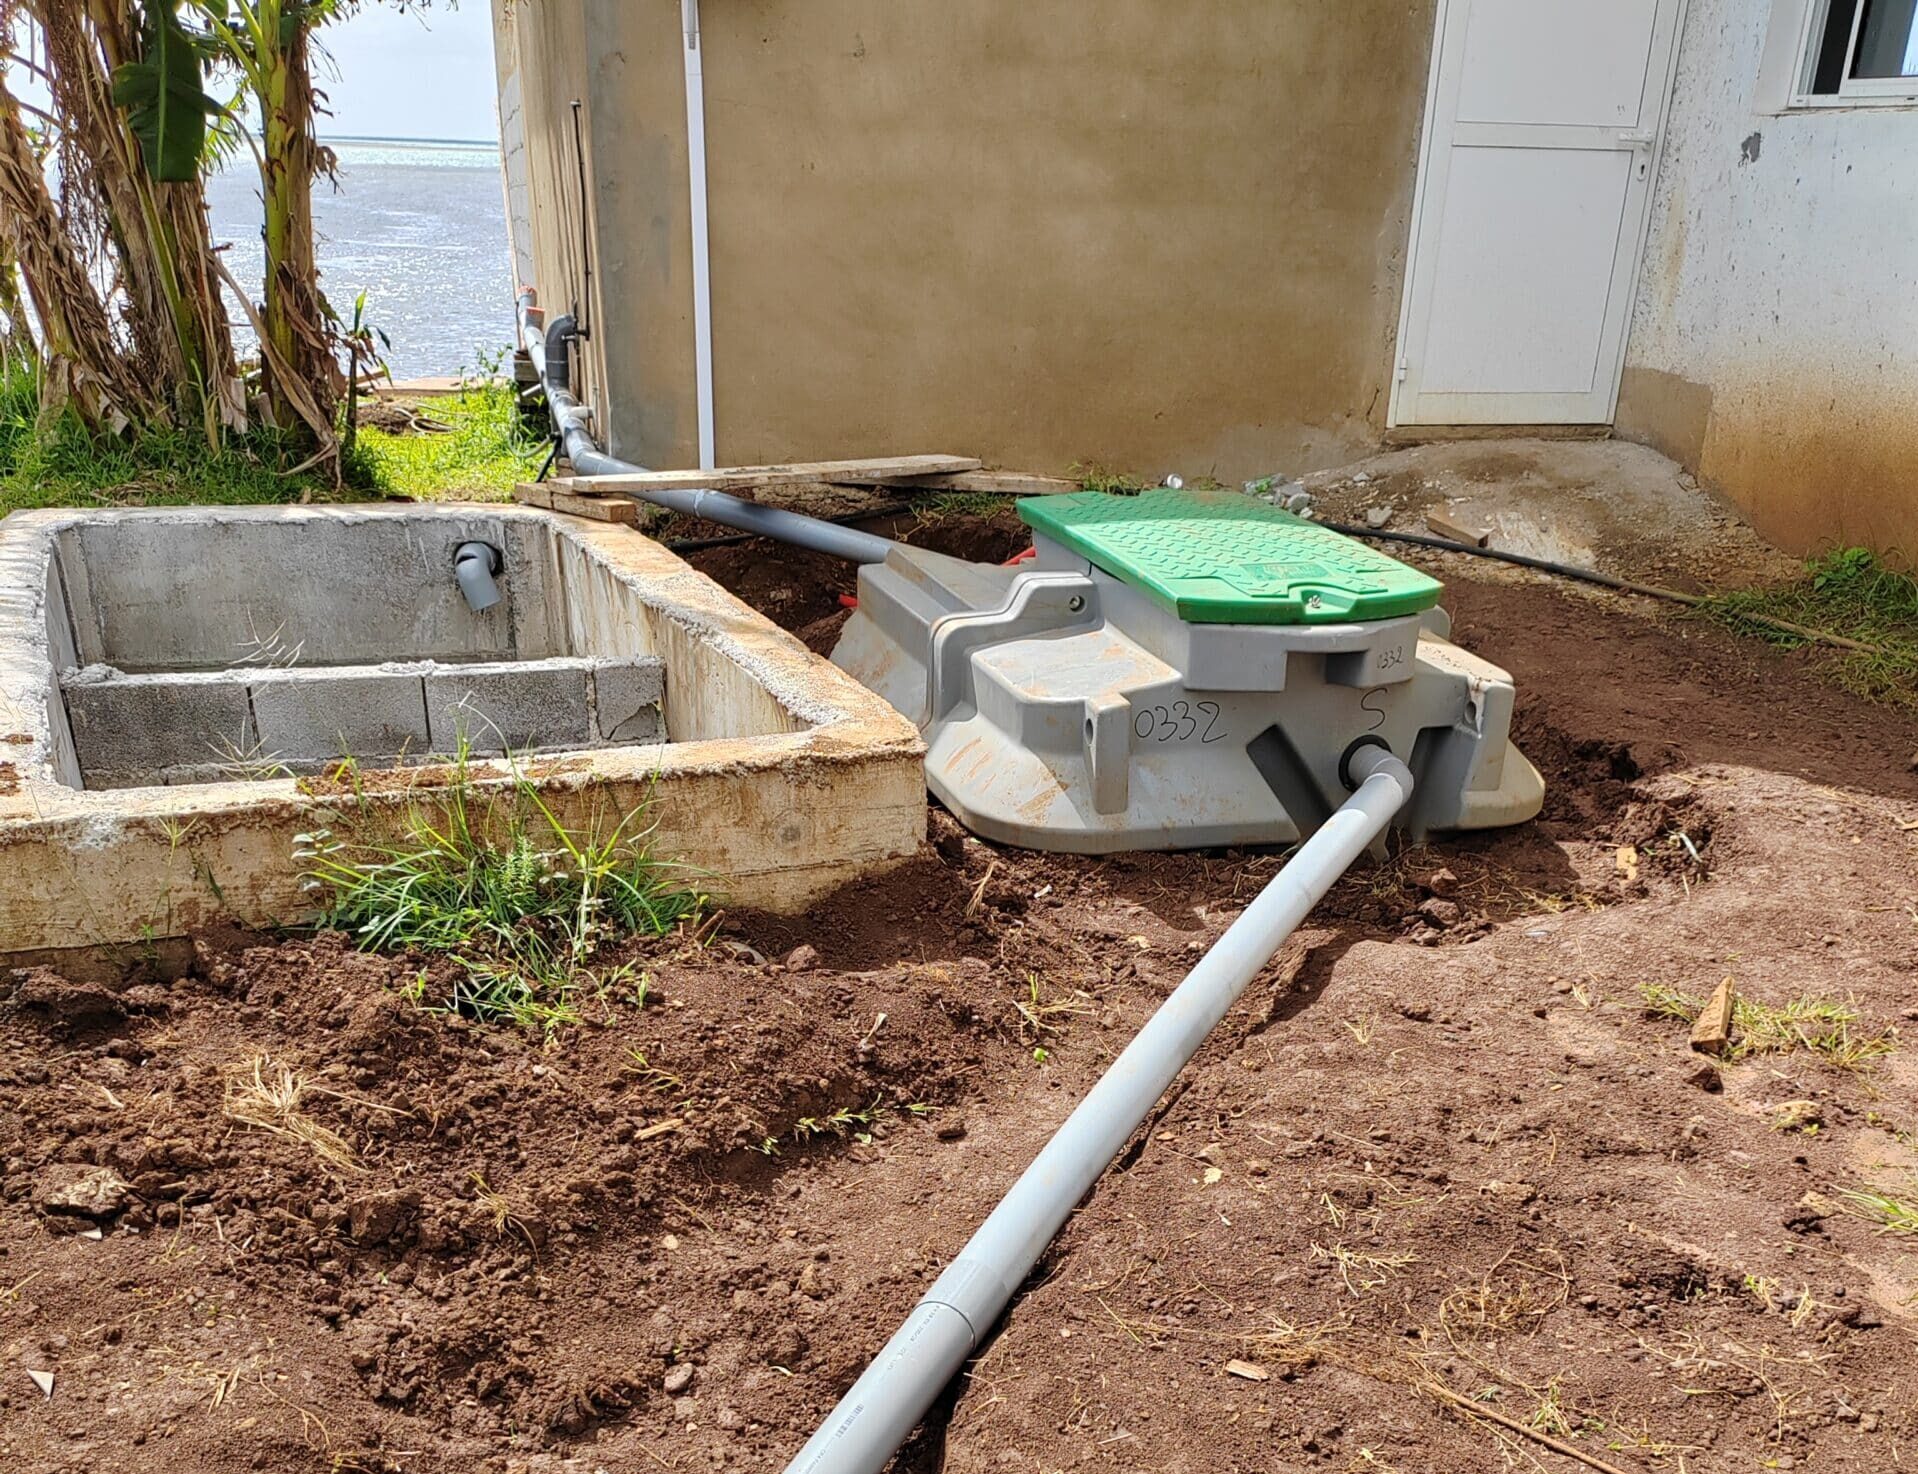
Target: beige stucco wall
1154 237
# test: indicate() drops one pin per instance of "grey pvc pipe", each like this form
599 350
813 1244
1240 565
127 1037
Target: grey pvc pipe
947 1325
474 565
569 422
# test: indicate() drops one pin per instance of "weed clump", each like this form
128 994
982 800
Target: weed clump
491 878
1820 1026
1851 593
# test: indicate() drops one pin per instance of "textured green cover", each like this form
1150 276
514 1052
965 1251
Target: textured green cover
1217 557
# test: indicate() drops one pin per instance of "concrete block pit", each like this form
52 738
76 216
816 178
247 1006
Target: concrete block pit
180 687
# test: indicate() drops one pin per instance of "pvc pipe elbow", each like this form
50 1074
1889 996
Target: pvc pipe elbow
474 566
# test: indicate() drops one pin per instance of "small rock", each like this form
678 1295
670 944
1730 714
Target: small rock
1712 1029
44 1381
1846 1414
803 958
951 1128
80 1190
814 1282
1251 1371
1687 481
1441 882
1441 912
1377 516
677 1379
1704 1076
1868 1423
1784 1461
1797 1115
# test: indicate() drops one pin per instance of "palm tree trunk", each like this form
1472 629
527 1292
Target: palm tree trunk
297 322
86 367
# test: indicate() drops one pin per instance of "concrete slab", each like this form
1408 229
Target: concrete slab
330 713
778 778
1621 508
125 723
498 708
627 699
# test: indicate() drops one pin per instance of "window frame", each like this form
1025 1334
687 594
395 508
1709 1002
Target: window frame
1852 91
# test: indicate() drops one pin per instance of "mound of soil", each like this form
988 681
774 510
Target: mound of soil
1441 1168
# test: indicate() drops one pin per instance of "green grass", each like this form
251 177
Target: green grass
1820 1026
488 876
1890 1214
1850 593
483 452
1094 477
485 449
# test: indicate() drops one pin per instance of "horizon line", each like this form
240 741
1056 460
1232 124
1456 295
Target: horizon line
396 138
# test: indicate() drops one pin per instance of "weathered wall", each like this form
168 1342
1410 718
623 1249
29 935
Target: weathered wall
1774 345
638 310
1040 232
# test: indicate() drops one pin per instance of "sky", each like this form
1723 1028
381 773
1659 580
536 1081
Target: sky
421 74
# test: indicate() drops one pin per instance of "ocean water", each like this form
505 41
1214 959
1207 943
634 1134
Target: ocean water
420 227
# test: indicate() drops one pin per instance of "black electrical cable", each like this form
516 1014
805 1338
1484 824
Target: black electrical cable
1523 560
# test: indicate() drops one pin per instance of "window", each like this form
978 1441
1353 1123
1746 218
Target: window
1858 51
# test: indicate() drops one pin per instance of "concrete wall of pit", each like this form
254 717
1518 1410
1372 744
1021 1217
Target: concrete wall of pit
784 777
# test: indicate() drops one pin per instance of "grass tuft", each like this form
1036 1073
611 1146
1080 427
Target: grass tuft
1095 477
490 877
1820 1026
268 1096
1891 1215
483 451
1849 592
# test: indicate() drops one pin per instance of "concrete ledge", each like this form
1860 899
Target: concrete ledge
366 712
509 708
202 726
781 779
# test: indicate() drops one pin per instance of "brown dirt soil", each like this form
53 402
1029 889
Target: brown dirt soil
1441 1143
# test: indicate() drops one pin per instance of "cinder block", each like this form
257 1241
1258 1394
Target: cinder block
313 715
528 704
629 697
141 724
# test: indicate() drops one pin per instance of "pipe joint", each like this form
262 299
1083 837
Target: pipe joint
476 566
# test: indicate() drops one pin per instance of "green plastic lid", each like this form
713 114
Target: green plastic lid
1217 557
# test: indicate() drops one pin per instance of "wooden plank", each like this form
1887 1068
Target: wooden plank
726 478
553 496
1458 532
622 509
1000 483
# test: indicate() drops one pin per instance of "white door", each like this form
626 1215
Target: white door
1535 179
